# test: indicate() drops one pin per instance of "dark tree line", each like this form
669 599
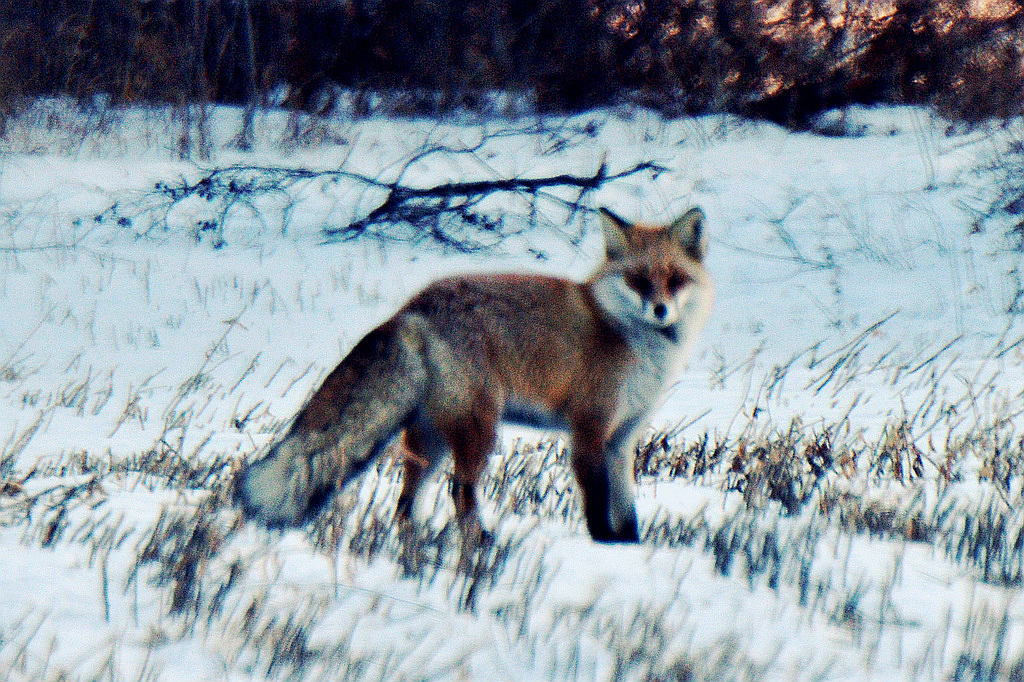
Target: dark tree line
783 60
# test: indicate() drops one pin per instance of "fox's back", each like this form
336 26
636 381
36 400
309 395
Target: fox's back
538 338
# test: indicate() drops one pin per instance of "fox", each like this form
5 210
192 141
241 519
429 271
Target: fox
470 352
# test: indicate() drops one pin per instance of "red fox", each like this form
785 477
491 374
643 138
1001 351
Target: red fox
468 352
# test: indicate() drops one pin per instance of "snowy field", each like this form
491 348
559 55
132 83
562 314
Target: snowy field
832 491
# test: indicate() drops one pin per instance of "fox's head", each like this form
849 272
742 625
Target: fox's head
654 275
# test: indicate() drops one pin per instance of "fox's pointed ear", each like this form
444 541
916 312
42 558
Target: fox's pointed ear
688 231
616 237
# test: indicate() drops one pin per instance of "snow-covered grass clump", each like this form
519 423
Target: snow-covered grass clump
833 489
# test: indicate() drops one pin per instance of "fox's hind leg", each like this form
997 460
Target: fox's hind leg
424 449
472 439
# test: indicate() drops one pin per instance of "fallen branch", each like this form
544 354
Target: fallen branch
444 213
417 205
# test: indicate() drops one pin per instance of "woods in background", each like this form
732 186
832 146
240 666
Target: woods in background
783 60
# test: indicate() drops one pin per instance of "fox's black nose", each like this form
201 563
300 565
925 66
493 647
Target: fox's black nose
660 311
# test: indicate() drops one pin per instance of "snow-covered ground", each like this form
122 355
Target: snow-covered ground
149 339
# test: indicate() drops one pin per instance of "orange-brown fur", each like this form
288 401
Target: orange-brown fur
468 351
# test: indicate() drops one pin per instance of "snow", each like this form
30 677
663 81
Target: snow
852 294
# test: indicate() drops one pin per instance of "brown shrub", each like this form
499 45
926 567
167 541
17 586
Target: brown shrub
784 60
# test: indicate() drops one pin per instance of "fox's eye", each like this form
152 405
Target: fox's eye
640 284
677 282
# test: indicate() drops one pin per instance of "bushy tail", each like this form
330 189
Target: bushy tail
349 420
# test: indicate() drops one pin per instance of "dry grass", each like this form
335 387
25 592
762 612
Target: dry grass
796 488
793 508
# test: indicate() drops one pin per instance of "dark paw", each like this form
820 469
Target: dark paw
317 501
486 538
628 533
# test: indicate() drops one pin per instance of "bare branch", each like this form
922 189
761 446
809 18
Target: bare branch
431 211
413 204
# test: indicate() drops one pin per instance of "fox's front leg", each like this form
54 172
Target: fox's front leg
604 470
